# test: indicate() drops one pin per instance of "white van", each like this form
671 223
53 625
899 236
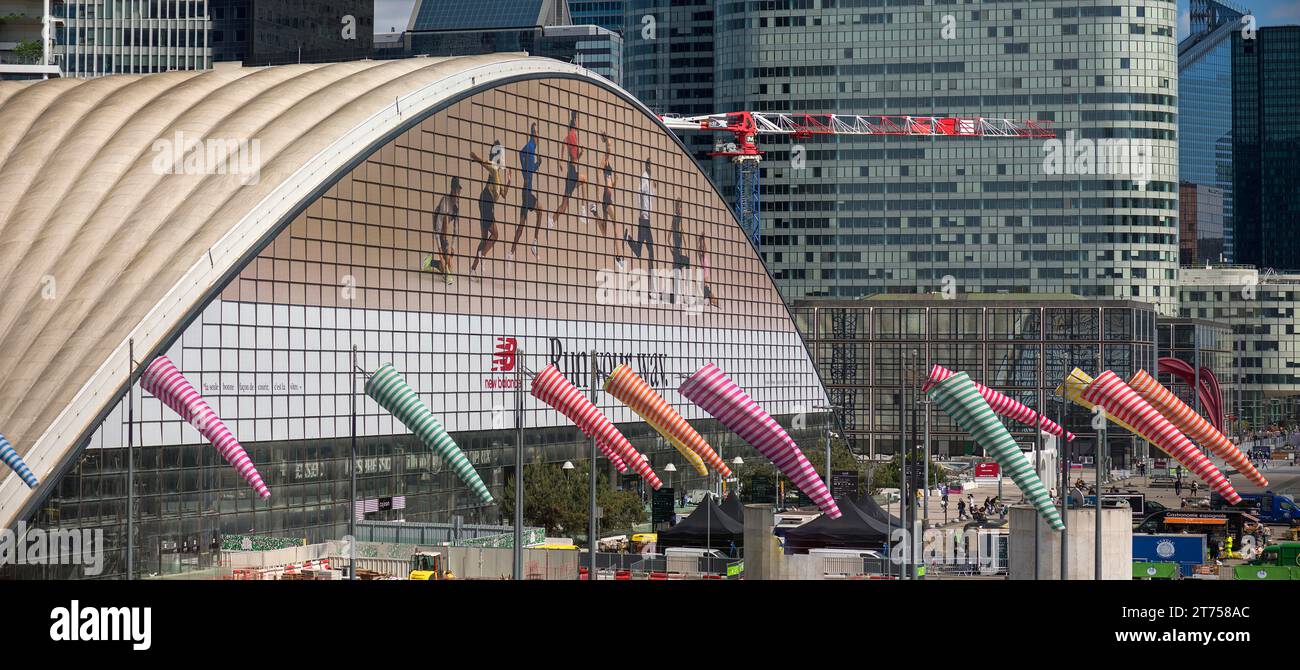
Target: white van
696 552
845 553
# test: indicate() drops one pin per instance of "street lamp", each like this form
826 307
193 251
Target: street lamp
670 469
567 467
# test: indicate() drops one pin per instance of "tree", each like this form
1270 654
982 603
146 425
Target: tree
559 502
29 51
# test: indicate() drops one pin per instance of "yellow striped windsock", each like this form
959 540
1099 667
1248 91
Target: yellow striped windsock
1073 388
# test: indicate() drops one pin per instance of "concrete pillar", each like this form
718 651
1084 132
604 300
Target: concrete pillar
1116 543
763 557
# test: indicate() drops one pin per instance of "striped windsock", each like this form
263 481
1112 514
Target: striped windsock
712 390
1109 391
1072 388
1187 420
392 393
9 456
626 385
166 383
550 387
1004 406
958 397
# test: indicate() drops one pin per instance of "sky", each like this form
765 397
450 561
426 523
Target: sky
391 14
1267 13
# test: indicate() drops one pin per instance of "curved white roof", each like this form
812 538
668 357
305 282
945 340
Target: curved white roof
100 244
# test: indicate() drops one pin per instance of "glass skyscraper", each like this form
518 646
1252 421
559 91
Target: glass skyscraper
867 215
607 14
1266 146
668 61
1205 108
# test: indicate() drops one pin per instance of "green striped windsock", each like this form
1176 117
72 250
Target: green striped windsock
392 393
958 397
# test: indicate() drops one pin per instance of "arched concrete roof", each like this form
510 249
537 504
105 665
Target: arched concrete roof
99 247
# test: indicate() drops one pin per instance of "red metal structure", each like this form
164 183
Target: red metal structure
745 127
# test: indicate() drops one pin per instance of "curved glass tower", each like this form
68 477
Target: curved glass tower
1093 214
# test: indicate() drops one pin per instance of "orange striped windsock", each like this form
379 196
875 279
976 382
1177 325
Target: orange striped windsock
626 385
1111 392
1191 423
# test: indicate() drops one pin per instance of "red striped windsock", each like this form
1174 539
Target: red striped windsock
1191 423
626 385
1109 391
713 390
1003 405
166 383
550 387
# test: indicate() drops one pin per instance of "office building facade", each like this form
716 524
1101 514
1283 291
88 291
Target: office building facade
1205 109
275 32
875 354
1266 147
398 194
1261 309
847 216
669 63
607 14
1201 224
97 38
25 42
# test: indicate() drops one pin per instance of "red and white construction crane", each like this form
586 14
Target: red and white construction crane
745 127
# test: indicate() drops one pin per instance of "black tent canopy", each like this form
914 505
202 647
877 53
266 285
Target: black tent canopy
707 527
733 508
871 508
854 529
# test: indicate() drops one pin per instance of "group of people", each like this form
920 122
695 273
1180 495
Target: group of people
966 508
498 181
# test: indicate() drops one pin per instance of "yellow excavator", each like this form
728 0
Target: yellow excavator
428 565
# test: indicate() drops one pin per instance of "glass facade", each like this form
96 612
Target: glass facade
99 38
497 232
1261 309
607 14
1023 348
596 48
271 32
1201 344
1266 146
668 62
1205 114
865 215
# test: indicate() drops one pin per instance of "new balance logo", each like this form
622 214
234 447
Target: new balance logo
503 360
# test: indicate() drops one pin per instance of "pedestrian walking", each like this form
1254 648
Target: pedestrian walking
961 509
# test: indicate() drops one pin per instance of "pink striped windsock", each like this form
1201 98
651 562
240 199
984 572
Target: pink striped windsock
166 383
713 391
1109 391
550 387
1196 427
1003 405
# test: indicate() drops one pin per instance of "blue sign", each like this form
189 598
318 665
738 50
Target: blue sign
1188 551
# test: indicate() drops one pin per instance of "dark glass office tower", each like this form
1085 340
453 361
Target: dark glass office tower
607 14
273 32
1205 112
668 61
1266 146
